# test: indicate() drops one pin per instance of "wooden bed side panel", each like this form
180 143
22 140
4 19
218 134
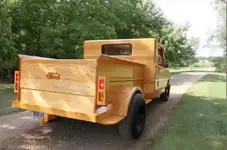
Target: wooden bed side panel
120 73
118 68
60 101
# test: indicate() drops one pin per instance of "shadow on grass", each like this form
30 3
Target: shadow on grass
179 72
186 78
199 121
193 70
214 78
7 95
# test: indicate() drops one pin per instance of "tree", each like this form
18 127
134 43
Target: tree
58 28
218 37
7 50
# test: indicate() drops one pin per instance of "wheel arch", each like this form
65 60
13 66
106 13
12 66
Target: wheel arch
135 91
121 103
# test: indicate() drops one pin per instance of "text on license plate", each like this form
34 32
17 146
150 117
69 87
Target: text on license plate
38 114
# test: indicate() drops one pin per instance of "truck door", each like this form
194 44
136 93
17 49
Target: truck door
162 74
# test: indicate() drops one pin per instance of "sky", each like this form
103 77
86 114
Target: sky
201 16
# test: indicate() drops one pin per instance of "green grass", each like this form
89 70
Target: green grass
179 70
200 122
6 97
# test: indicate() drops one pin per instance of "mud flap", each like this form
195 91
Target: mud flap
46 118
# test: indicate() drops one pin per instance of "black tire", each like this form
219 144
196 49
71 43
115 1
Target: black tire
132 126
165 96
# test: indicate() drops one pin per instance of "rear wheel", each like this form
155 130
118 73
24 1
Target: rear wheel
132 126
165 96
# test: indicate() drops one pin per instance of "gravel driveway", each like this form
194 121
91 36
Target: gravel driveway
20 131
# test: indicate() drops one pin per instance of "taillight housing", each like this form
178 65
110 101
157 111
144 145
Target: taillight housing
101 84
101 90
17 76
16 81
101 96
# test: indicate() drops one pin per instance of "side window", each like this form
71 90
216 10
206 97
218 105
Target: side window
117 49
159 57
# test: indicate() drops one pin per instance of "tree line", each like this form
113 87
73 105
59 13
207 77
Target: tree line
58 28
218 37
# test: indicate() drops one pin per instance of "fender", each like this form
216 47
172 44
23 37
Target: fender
121 98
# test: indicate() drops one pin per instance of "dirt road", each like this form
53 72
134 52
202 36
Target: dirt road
20 131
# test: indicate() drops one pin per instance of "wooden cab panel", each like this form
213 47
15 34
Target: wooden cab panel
162 74
142 49
143 52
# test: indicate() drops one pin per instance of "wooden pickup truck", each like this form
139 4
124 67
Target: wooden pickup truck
111 85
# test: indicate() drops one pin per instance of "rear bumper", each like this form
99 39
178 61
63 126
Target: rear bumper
106 118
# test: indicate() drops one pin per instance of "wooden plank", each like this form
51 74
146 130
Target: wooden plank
31 57
115 71
141 59
117 60
138 72
83 71
57 112
76 77
60 101
61 86
113 67
105 118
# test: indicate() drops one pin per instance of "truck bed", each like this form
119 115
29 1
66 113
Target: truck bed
69 88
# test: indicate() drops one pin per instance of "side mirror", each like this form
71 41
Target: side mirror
166 65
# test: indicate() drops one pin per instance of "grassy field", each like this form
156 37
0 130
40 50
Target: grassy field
179 70
200 122
6 97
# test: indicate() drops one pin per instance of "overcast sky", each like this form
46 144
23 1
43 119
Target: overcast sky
199 13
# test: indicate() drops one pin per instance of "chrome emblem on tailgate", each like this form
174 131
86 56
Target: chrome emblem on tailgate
52 75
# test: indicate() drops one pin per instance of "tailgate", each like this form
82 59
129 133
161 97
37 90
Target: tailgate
61 84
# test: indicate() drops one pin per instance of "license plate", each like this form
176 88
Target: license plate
38 114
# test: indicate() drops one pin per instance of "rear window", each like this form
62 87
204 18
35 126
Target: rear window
117 49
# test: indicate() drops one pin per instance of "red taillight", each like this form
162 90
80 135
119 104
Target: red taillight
101 84
101 90
17 76
16 81
101 96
